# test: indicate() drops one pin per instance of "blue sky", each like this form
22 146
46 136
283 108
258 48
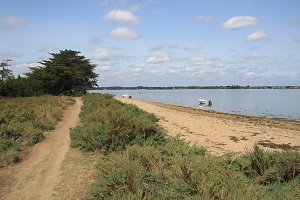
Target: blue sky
160 42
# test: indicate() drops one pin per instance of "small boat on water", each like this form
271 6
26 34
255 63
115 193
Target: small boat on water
126 96
205 102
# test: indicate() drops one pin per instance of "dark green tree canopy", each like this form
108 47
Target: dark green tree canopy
66 72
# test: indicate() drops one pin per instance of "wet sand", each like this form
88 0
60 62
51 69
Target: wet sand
223 133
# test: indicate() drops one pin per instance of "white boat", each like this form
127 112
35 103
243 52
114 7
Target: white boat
205 101
126 96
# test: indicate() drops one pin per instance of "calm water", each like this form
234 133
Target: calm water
268 103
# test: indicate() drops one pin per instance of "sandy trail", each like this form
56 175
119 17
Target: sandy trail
222 133
35 177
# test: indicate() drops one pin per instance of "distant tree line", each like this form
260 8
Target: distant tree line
65 73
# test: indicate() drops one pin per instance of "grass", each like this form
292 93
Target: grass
139 162
269 144
23 121
108 125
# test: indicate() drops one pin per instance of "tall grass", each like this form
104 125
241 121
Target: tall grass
140 162
23 121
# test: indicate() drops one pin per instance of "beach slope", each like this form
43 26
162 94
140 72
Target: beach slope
222 133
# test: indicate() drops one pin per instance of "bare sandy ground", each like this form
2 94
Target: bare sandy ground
222 133
35 177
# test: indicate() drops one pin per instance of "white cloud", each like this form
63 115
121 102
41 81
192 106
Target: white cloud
204 18
238 22
136 69
101 54
253 56
123 33
259 35
11 22
251 74
176 69
28 65
158 57
46 52
123 16
141 65
104 67
201 61
218 65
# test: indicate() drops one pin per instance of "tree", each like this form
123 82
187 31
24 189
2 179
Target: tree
5 72
66 72
15 87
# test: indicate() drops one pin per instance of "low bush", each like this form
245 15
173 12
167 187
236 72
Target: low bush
269 167
23 121
108 125
143 172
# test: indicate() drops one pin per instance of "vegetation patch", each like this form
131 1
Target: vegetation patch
279 171
23 121
255 133
244 138
144 172
269 144
234 138
139 162
109 125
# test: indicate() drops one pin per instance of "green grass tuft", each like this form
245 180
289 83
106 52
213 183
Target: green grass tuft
23 121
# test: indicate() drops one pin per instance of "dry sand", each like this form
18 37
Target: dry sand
222 133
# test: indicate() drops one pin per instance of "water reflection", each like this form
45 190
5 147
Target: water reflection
205 105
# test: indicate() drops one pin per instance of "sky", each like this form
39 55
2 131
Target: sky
160 42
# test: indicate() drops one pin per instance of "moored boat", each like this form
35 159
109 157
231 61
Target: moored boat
205 101
126 96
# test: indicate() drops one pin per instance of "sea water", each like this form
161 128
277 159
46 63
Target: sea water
274 103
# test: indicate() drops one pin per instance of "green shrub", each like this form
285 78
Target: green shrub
108 125
269 167
142 172
135 173
23 121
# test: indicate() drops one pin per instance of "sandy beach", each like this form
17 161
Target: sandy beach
223 133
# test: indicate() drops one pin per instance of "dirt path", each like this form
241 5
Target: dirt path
223 133
37 175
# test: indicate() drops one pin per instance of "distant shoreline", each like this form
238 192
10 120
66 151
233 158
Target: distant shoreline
194 87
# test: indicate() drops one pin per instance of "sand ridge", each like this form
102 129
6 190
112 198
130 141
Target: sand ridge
222 133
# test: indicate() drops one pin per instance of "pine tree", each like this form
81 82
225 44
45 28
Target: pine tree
66 72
